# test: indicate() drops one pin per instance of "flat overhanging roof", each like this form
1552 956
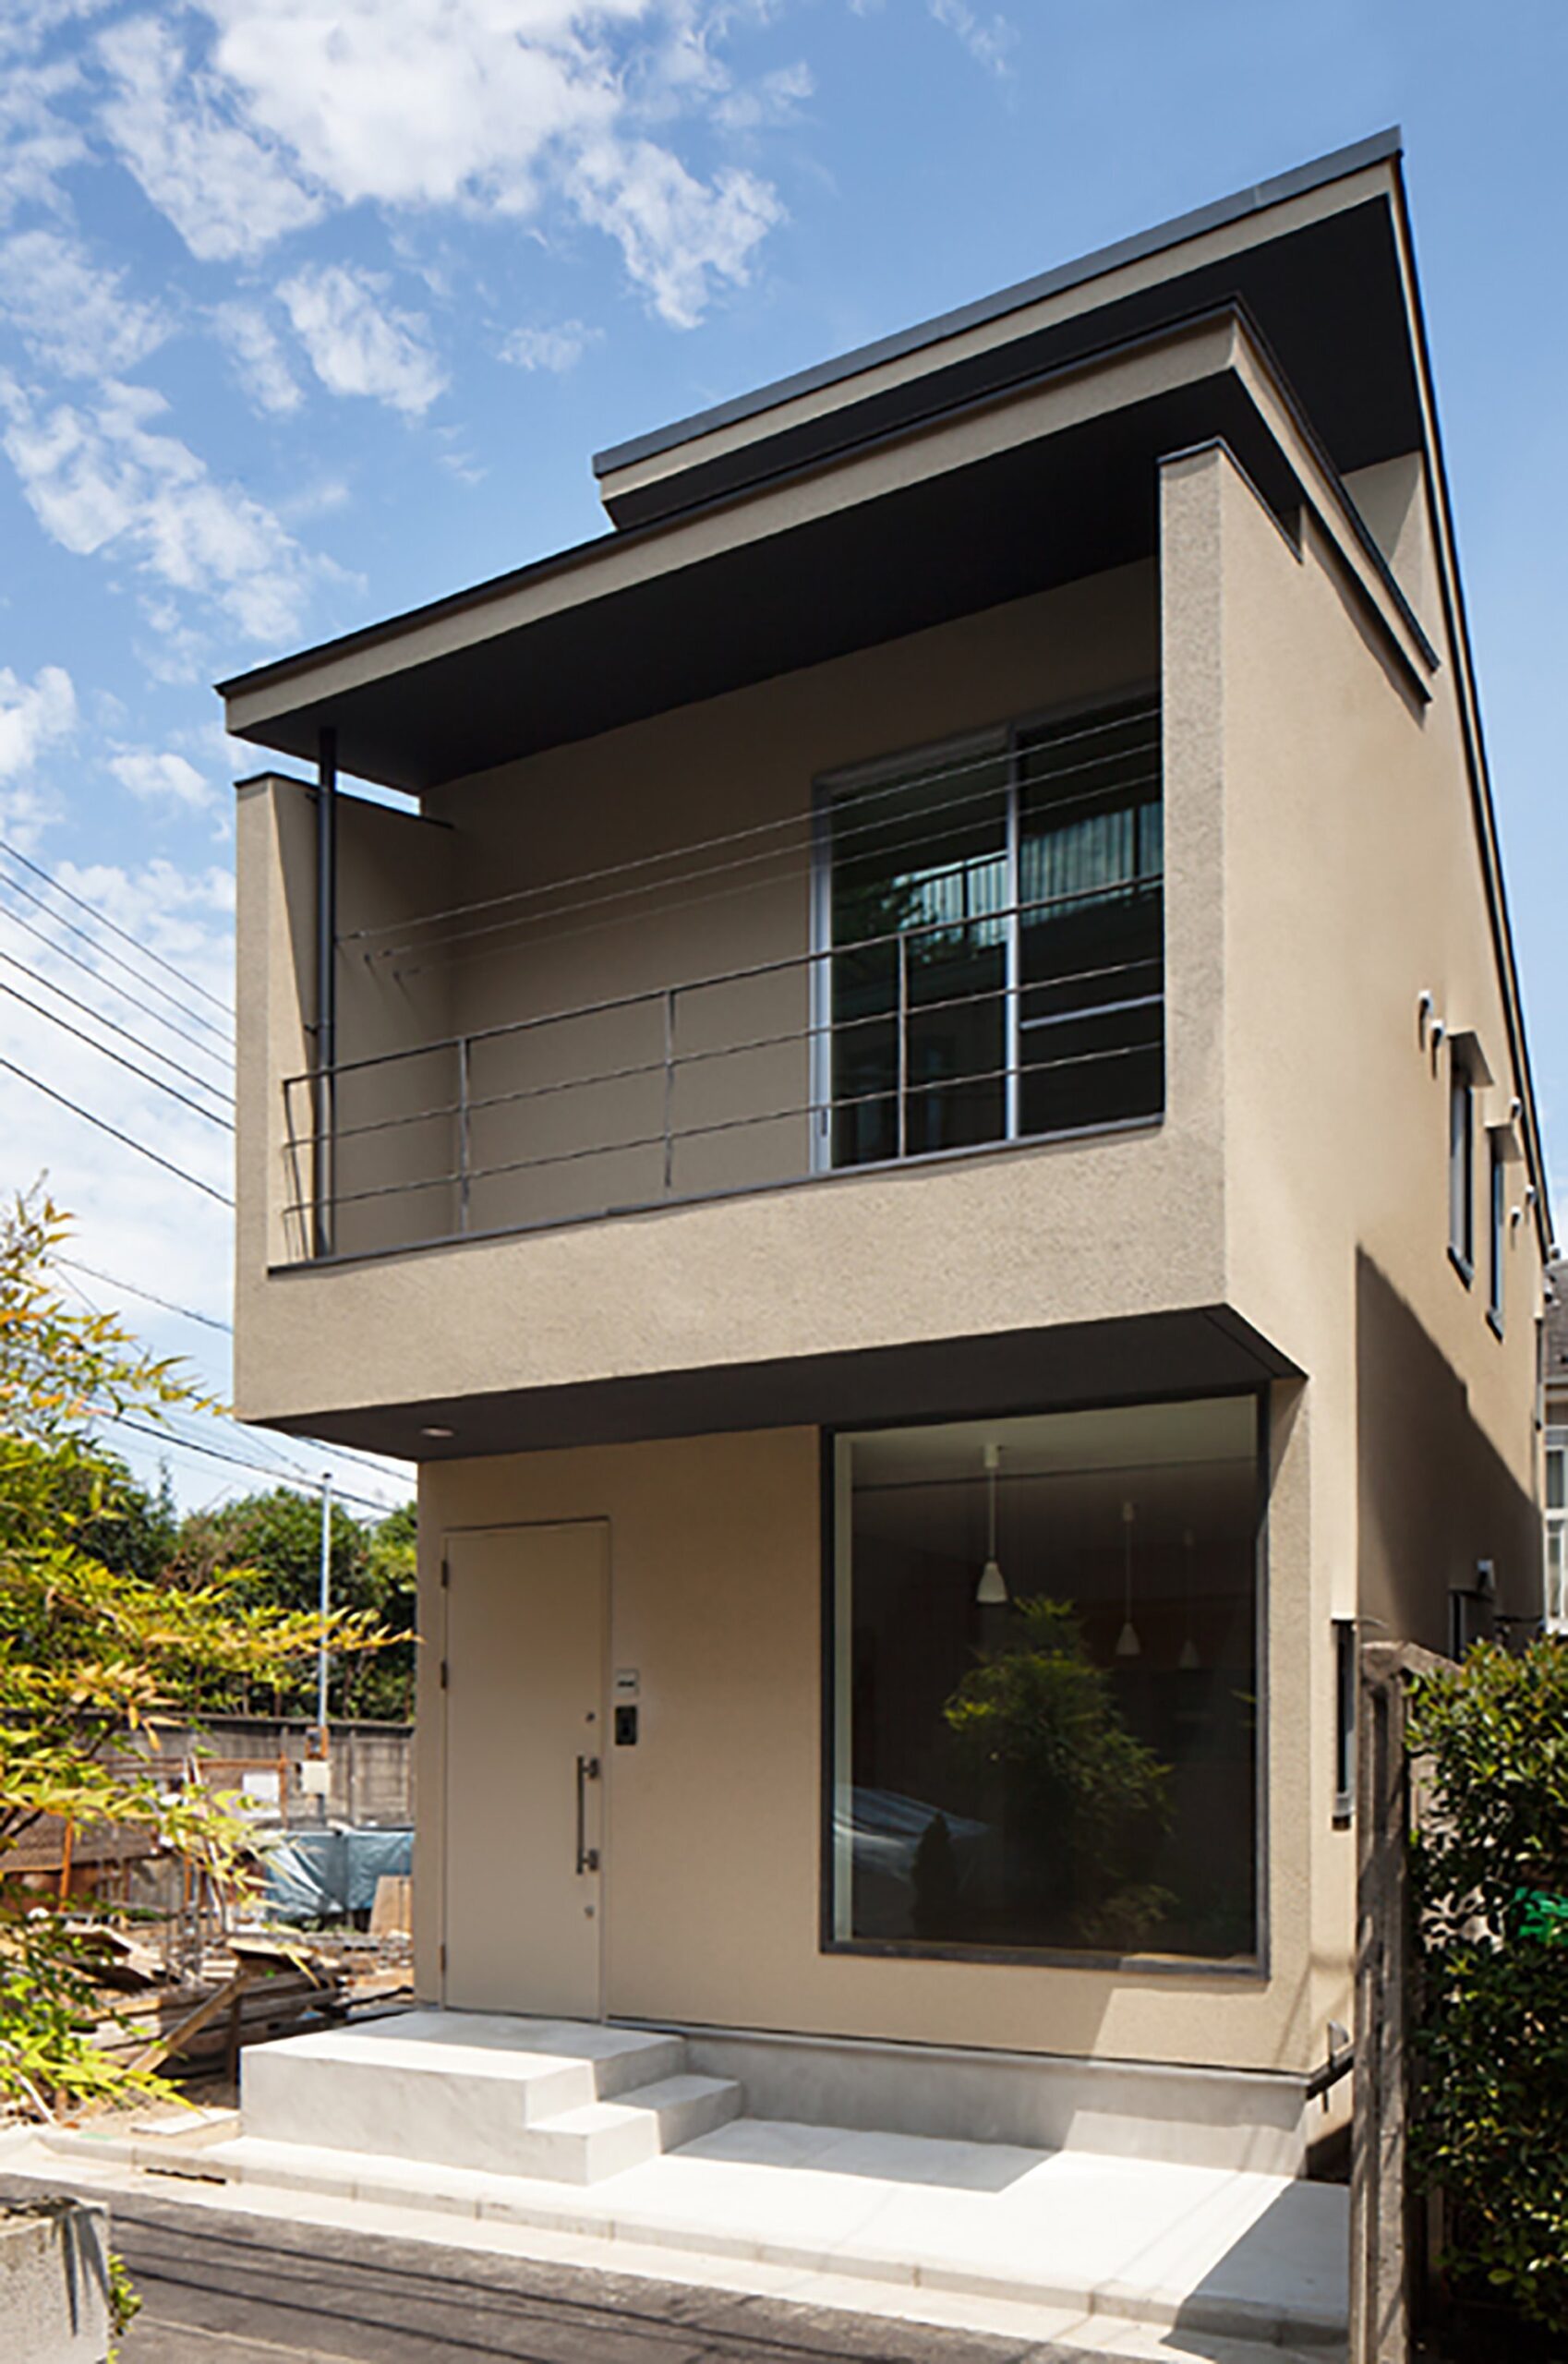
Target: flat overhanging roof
742 571
1302 278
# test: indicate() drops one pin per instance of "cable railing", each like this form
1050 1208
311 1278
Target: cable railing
919 1040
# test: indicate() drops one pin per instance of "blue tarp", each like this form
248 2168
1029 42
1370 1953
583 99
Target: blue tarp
323 1875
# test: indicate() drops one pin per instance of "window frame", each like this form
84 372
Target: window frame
1000 739
1255 1968
1461 1154
1346 1702
1497 1227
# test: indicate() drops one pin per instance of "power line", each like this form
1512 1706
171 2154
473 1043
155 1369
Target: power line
112 925
377 1463
290 1479
126 1033
148 984
133 1289
63 952
114 1131
118 1056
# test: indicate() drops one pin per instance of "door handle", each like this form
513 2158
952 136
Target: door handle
587 1857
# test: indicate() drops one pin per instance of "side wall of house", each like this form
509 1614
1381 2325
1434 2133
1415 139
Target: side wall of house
1352 887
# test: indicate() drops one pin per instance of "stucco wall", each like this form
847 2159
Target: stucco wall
713 1859
1057 1233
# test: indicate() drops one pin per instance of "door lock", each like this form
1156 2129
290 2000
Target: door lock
587 1857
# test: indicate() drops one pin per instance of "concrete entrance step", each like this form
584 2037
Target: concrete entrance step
568 2100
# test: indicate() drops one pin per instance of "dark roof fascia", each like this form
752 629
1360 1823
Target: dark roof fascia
1381 147
855 444
541 570
1456 620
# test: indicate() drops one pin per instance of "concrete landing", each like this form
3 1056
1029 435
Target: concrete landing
1189 2253
567 2101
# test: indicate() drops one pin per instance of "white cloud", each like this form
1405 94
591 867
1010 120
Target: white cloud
773 99
71 313
675 233
226 193
99 476
166 779
358 346
33 714
989 43
258 358
558 349
422 101
36 143
492 107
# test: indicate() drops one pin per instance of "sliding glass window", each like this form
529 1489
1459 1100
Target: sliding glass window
1044 1689
994 911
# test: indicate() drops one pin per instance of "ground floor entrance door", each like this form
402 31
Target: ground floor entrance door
527 1612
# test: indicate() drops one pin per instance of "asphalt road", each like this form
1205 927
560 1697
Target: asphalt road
219 2288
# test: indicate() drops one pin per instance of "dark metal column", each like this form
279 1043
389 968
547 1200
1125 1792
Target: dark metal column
326 1026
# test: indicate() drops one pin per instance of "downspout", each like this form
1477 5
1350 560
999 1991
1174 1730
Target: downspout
326 1026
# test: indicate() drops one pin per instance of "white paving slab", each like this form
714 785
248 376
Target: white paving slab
1218 2250
1099 2331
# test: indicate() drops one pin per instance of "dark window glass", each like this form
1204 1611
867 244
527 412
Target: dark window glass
1044 1692
1090 864
996 919
1498 1229
919 875
1461 1170
1345 1673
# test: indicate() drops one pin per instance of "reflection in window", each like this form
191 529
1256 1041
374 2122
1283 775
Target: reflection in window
1045 1686
995 918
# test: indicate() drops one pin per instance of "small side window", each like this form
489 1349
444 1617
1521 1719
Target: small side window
1461 1169
1344 1718
1497 1186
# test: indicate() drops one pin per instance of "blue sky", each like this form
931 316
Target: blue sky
312 309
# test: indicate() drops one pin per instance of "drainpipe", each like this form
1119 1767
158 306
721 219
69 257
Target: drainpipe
326 1026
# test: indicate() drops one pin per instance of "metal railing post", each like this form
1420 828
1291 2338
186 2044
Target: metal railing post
324 1097
464 1121
903 1044
668 1089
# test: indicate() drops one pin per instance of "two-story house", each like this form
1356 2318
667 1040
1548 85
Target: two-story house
925 1132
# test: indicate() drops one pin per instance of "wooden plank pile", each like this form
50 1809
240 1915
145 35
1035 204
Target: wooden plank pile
254 1989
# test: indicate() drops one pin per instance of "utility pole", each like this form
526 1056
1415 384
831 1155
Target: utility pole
326 1603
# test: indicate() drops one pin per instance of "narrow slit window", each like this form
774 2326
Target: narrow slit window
1461 1169
1497 1187
1344 1718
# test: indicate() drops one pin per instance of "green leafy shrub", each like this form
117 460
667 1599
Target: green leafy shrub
1490 1748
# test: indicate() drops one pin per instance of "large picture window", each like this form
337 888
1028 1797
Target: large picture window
994 916
1045 1690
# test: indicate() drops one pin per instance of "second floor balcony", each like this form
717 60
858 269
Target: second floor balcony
977 962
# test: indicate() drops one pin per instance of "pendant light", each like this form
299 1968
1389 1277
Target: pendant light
1127 1644
991 1589
1189 1660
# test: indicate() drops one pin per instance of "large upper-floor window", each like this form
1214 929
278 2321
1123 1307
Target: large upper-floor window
995 914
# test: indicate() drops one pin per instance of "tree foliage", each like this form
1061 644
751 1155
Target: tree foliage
1039 1719
96 1649
1490 1746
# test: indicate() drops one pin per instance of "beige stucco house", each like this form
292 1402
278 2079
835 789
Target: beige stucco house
924 1127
